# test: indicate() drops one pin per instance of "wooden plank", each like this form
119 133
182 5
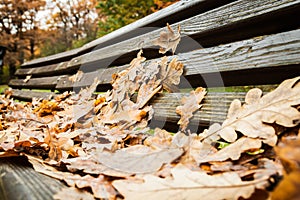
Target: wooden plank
210 22
271 59
36 83
214 109
49 70
19 181
225 17
171 14
27 95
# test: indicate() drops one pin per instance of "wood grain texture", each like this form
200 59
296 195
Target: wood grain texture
224 16
171 14
270 58
200 26
36 83
18 181
27 95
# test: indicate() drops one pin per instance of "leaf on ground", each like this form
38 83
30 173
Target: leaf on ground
73 193
170 74
189 105
138 159
76 77
168 40
187 184
101 188
253 118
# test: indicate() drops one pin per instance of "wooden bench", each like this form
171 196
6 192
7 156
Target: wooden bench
224 43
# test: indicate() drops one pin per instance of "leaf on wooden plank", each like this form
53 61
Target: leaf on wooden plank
27 78
73 193
76 77
189 105
147 91
232 151
47 107
160 140
128 112
253 118
138 159
89 165
168 40
187 184
101 188
170 74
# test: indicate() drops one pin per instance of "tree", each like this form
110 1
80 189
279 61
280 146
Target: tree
71 24
115 14
17 30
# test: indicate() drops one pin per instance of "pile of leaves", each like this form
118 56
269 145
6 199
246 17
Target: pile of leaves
103 142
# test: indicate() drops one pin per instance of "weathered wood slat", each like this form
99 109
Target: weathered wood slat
214 107
48 70
27 95
204 24
19 181
171 14
275 56
36 83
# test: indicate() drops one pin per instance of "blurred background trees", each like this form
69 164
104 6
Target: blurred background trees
36 28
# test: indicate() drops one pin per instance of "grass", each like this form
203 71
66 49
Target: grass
2 88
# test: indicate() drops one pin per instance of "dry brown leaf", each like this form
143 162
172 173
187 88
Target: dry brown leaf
288 188
46 108
189 105
138 159
101 188
76 77
170 74
73 193
168 40
253 118
187 184
147 91
289 154
232 151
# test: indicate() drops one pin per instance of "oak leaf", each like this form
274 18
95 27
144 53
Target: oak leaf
170 74
73 193
189 105
168 40
138 159
101 188
253 118
187 184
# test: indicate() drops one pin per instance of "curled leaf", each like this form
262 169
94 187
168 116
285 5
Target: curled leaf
168 40
190 105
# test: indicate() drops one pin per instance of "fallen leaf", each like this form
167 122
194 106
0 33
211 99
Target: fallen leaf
187 184
170 74
232 151
189 105
76 77
168 40
101 188
73 193
288 188
253 119
138 159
